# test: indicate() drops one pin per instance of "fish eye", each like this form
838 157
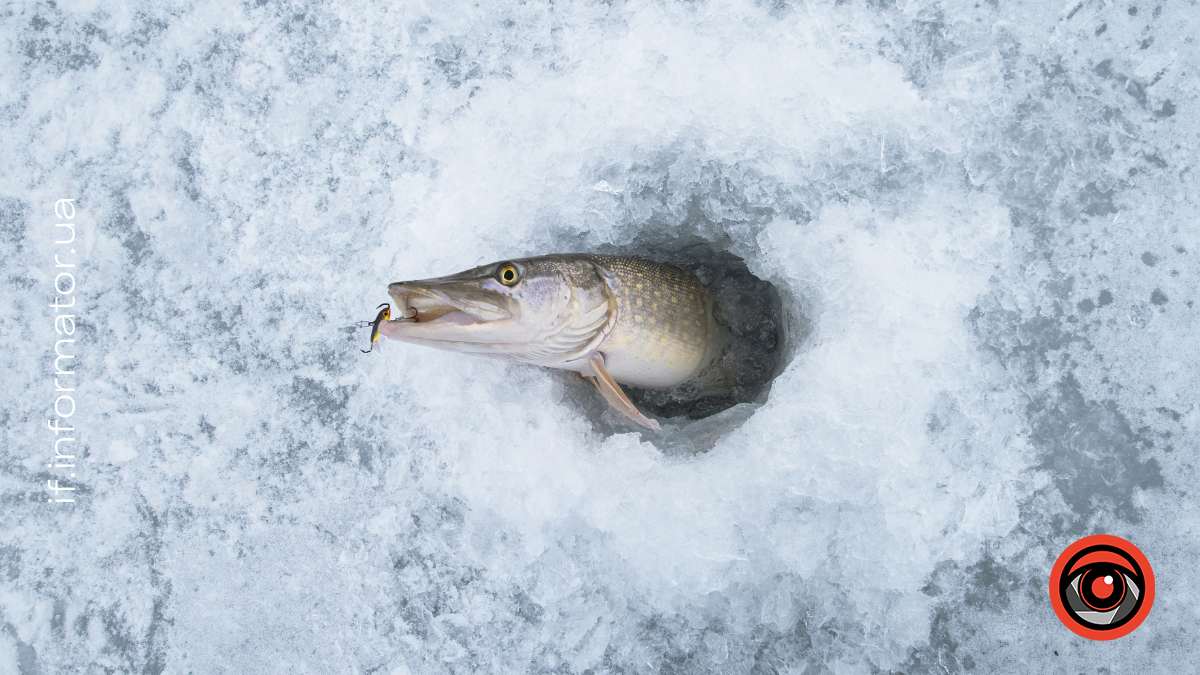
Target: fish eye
508 274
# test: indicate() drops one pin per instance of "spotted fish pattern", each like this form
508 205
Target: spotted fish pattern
665 332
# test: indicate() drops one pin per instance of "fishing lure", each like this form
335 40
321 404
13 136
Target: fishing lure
383 315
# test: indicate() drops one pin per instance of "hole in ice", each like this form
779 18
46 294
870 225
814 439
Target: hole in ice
748 306
765 331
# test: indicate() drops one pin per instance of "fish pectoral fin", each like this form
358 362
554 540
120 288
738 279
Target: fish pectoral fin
612 393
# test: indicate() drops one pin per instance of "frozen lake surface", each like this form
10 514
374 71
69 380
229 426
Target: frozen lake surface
981 218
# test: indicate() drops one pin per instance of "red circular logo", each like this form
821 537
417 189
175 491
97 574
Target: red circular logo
1102 587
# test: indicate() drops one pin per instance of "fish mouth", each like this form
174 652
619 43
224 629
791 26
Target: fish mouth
426 311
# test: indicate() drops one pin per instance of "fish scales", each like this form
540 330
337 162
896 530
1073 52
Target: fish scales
665 332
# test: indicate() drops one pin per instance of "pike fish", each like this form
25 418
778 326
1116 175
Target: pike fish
609 319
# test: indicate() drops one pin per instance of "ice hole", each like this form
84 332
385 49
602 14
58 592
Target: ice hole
767 328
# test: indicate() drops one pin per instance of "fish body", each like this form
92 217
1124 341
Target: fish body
611 319
665 333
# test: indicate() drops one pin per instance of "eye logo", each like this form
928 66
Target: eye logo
1102 587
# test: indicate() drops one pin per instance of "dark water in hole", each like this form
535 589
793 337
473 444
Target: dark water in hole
750 307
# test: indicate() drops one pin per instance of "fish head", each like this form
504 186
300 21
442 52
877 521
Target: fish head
532 309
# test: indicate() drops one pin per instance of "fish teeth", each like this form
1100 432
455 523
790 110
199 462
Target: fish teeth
403 310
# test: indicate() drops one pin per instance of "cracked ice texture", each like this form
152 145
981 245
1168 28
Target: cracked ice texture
983 212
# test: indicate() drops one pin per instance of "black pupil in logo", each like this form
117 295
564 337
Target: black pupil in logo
1102 587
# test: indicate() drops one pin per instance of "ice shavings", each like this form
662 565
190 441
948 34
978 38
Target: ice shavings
957 205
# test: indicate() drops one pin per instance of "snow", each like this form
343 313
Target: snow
979 220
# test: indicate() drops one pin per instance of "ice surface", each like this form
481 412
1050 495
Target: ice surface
983 214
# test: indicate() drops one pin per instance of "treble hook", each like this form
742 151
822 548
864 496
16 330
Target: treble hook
379 318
